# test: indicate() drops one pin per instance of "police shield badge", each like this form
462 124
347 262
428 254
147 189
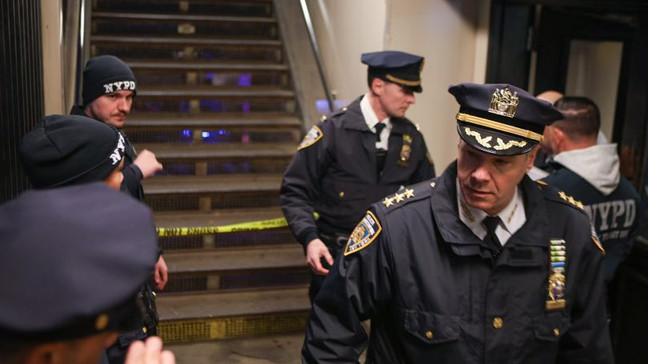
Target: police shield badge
364 234
313 135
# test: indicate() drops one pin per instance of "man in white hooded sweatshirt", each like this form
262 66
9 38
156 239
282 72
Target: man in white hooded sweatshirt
589 172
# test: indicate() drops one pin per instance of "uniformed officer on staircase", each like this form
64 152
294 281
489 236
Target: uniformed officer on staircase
479 265
354 157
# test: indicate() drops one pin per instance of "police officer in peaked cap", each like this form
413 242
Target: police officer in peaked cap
479 265
73 260
354 157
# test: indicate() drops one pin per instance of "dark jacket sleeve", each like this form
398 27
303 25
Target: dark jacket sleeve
587 340
358 288
300 187
132 180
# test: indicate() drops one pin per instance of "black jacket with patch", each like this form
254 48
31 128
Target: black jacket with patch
434 293
336 176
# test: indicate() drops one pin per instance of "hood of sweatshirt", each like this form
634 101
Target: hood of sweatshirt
598 165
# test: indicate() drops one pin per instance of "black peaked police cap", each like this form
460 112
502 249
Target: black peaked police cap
73 259
397 67
501 119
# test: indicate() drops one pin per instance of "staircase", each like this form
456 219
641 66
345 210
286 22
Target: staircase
215 103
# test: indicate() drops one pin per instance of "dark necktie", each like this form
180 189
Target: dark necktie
379 128
381 154
491 240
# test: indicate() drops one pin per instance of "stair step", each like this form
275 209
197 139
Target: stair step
174 25
174 221
184 41
241 268
212 121
171 220
223 315
182 48
288 256
274 349
181 17
208 66
241 8
189 92
212 184
203 151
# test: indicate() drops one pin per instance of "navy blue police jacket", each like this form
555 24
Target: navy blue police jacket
434 294
132 183
334 173
615 217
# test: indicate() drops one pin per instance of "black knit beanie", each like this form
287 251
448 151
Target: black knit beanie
105 75
70 149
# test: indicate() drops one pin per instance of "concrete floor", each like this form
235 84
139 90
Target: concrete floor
278 349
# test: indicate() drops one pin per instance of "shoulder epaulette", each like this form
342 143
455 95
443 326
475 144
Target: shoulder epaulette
557 195
409 194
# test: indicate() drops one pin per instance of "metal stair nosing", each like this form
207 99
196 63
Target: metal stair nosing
178 120
162 185
218 92
185 41
204 18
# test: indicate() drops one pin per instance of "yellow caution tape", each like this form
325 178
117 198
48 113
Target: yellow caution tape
243 226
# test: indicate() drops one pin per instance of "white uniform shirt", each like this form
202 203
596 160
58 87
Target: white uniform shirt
371 119
512 217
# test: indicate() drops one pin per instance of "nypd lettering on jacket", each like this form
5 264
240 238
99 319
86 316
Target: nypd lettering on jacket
116 155
119 86
613 219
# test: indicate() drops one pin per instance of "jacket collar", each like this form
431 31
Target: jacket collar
356 120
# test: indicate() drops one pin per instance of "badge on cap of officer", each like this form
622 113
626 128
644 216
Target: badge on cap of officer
397 67
501 119
72 261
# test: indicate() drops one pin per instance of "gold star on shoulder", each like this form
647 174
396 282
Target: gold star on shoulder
432 184
571 200
398 197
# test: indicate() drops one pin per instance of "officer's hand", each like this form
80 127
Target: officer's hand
149 352
161 274
147 163
315 250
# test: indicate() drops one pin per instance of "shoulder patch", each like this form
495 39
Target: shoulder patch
312 137
364 234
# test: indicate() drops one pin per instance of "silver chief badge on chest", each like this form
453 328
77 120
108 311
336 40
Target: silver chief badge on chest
557 276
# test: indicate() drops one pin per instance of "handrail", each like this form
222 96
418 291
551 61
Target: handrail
313 41
80 52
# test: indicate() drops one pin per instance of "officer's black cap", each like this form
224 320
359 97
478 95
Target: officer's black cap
501 119
70 149
398 67
72 261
